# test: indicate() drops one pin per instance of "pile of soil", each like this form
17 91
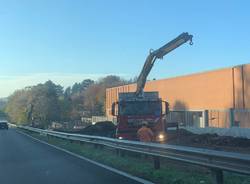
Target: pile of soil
211 141
103 128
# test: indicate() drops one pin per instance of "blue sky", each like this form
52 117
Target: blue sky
70 40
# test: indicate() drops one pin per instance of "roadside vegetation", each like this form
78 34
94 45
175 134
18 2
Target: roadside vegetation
44 103
142 166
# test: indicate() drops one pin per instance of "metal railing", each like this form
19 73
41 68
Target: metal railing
217 161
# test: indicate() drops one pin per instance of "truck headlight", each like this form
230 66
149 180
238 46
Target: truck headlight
120 138
161 136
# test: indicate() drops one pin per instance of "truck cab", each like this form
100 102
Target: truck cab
132 111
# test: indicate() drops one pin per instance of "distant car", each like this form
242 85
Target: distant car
4 125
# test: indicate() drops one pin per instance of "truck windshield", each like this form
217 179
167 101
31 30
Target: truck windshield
134 108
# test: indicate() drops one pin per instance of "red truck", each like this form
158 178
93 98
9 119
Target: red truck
134 108
133 112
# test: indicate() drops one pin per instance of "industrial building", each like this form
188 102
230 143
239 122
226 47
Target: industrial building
218 98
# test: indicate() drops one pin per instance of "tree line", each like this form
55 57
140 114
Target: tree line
3 102
47 102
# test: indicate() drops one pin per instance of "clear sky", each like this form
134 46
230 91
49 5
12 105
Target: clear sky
70 40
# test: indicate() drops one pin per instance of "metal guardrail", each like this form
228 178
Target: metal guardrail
217 161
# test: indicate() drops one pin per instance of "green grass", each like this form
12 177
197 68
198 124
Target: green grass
141 166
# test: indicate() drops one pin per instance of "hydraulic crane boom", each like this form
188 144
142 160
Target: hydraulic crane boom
158 54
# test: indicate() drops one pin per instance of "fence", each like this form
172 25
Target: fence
193 118
225 118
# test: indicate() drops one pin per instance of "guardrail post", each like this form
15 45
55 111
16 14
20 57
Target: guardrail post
217 176
122 153
98 146
70 140
117 152
156 162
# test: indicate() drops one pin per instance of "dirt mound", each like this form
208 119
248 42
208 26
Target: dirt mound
103 128
214 139
211 141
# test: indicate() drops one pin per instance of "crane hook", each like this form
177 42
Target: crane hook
191 42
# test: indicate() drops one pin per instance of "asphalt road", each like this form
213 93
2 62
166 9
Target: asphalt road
26 161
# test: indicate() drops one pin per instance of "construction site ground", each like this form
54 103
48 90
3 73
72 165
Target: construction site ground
181 137
210 141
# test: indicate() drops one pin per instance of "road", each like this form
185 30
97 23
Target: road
24 160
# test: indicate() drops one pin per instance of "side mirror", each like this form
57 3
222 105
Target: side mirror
166 108
113 109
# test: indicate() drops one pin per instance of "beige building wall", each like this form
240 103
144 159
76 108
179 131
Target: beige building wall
216 91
